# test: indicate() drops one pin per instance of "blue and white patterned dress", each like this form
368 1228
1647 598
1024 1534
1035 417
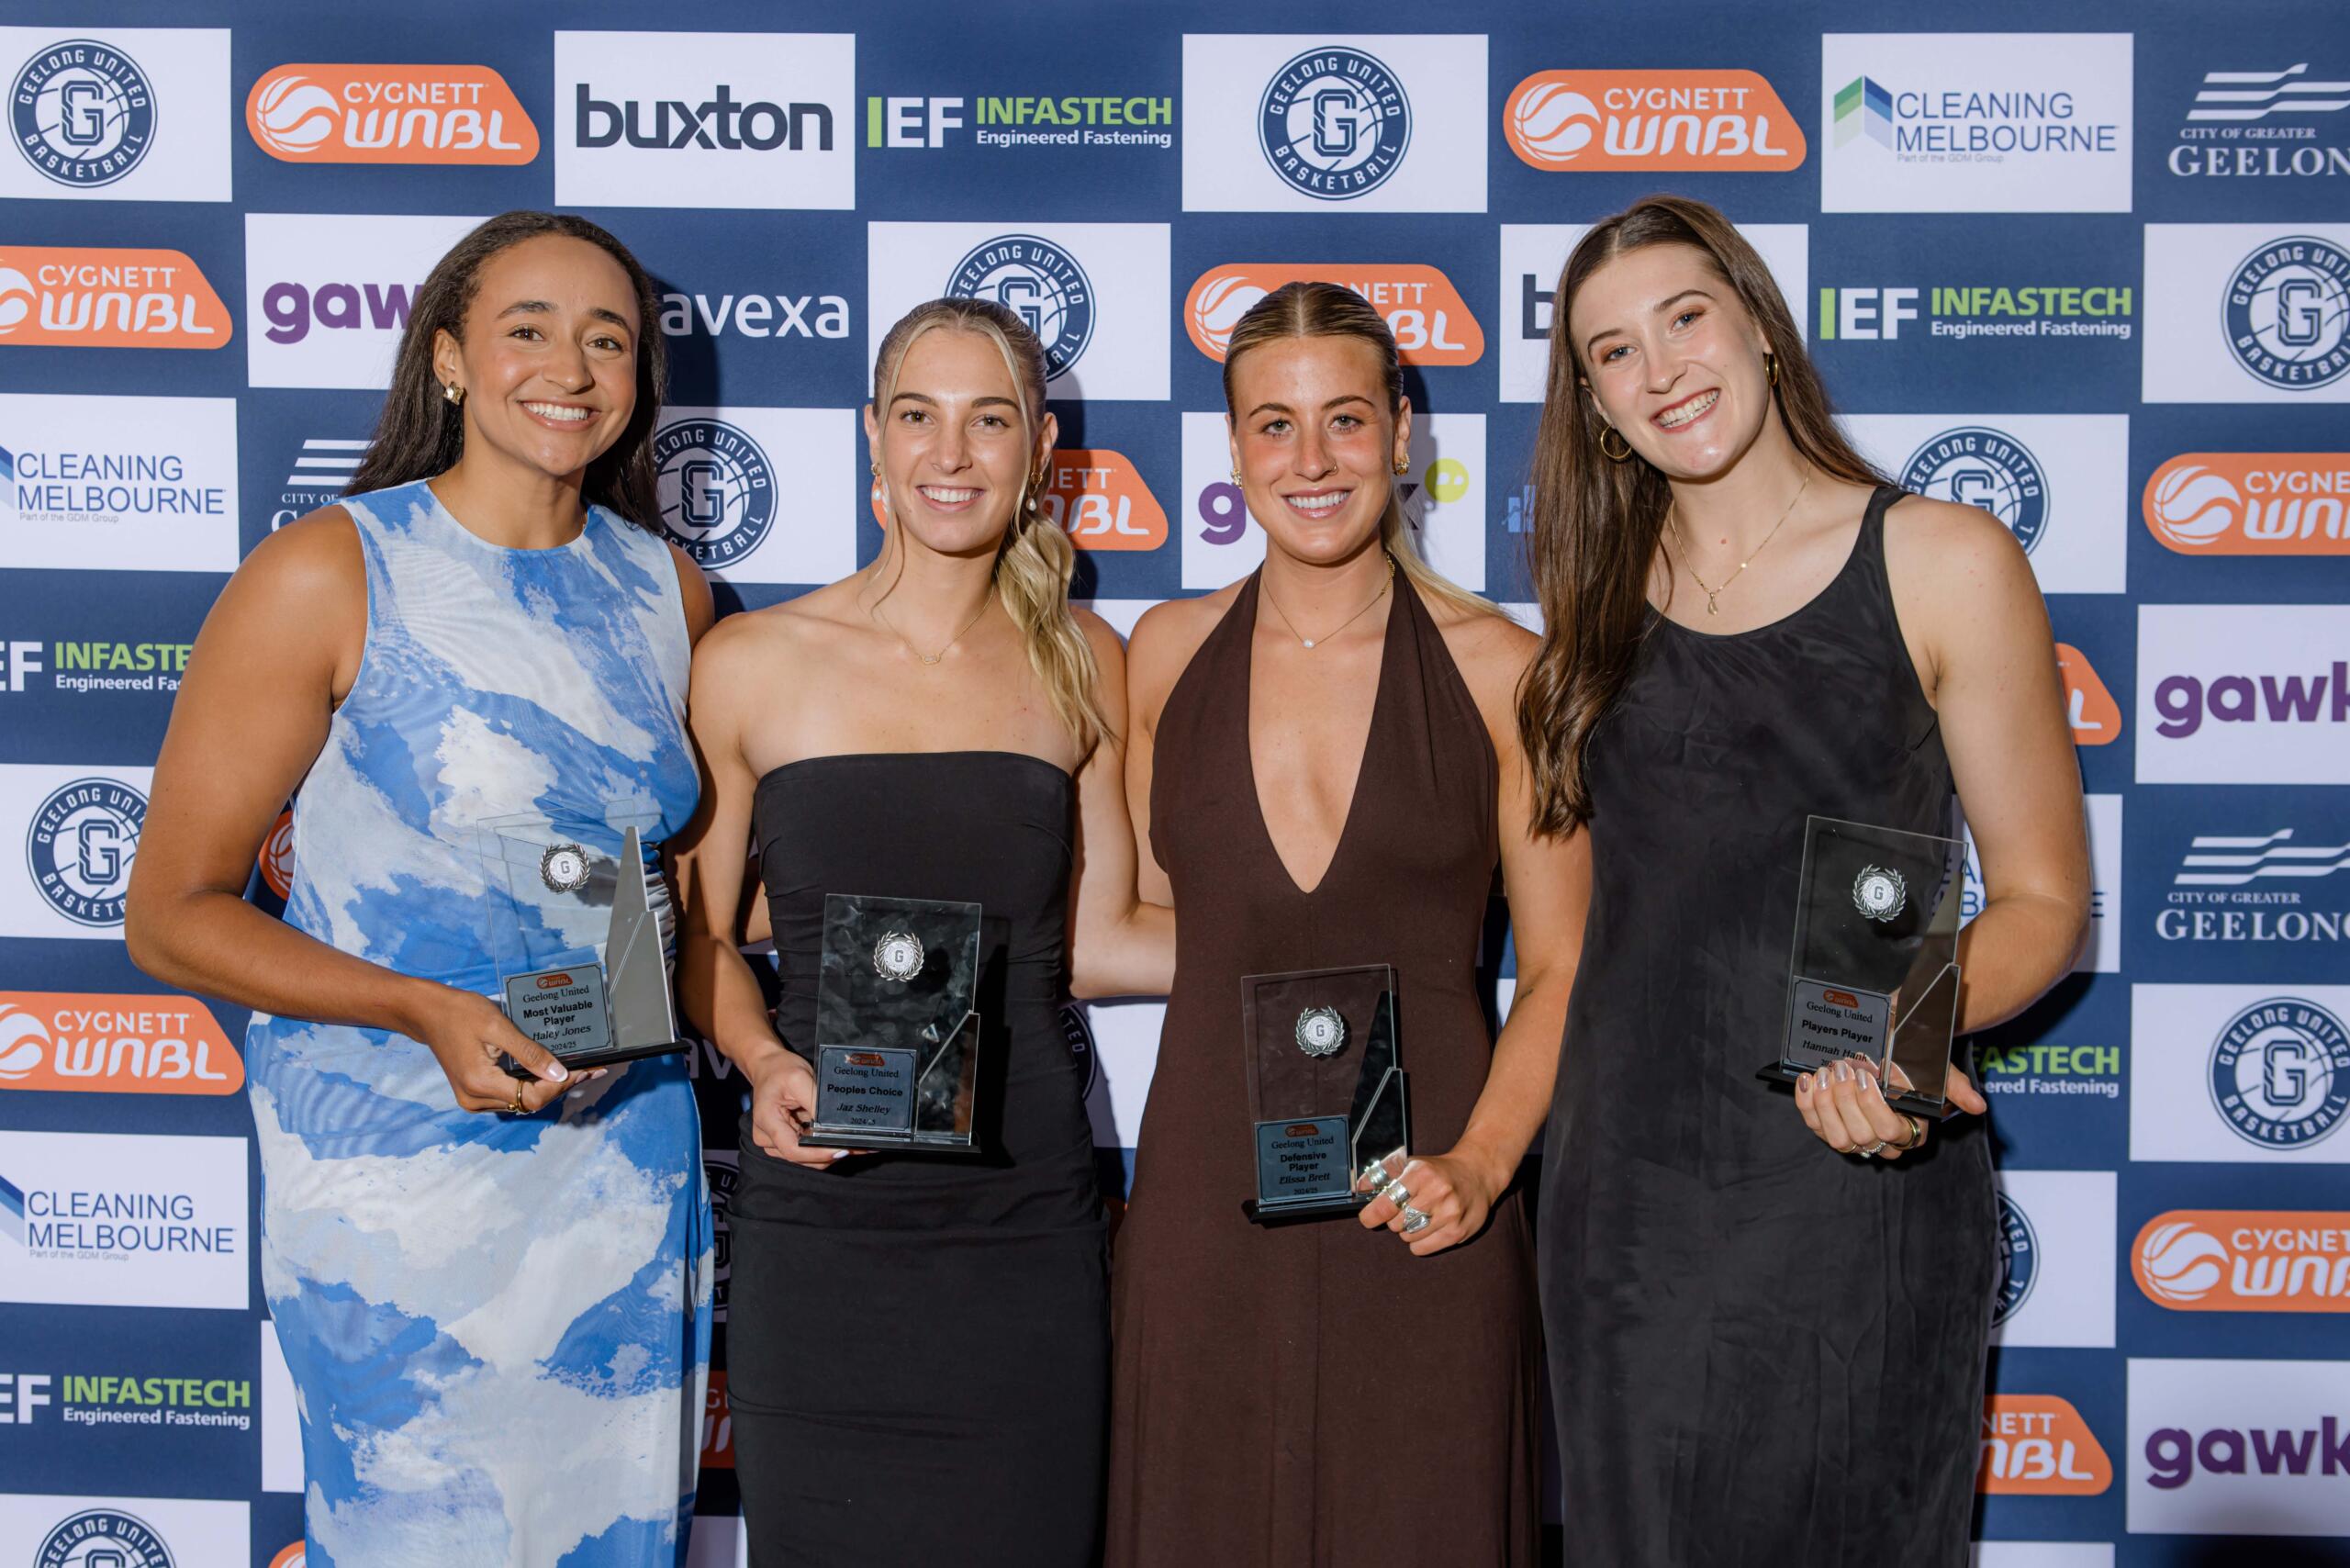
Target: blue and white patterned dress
498 1327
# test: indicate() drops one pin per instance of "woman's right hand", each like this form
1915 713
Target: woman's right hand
783 1100
467 1033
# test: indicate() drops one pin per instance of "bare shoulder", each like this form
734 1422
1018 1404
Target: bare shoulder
1109 648
748 640
1492 652
1951 545
1166 637
693 591
316 550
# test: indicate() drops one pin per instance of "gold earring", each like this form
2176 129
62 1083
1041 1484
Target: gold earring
454 394
1402 465
1236 476
1770 363
1612 455
876 470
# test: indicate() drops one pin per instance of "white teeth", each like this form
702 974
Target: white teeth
947 497
559 412
1318 506
1675 418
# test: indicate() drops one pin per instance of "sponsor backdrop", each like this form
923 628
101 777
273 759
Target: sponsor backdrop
2094 281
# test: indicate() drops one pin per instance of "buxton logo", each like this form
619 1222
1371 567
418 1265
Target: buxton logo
720 120
114 1044
2089 707
1097 497
2036 1445
1431 322
1335 123
2245 1260
104 1538
79 847
1582 120
83 113
390 114
1039 281
2184 700
1977 466
716 489
2018 1261
2287 313
2174 1454
85 296
2280 1073
2251 503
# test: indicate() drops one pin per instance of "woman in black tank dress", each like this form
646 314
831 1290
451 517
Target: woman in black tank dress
917 1354
1766 1312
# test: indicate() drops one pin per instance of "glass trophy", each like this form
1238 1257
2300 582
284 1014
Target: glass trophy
897 1034
1326 1088
1875 972
576 933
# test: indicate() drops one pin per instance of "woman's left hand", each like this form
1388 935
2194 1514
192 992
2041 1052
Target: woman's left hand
1450 1188
1845 1106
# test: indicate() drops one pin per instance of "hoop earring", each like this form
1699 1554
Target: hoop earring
453 394
1609 452
1770 363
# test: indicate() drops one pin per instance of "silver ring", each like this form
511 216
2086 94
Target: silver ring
1374 1173
1397 1193
1872 1149
1415 1220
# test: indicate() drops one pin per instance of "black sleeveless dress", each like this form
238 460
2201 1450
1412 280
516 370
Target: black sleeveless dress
917 1350
1761 1353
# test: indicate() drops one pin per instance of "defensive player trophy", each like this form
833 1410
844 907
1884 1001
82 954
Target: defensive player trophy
1325 1089
897 1047
580 953
1874 973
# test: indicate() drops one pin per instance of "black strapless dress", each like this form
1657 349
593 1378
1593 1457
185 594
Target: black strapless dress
1761 1353
918 1346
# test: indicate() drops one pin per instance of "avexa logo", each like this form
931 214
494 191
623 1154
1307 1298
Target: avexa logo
390 114
2251 503
1579 120
755 315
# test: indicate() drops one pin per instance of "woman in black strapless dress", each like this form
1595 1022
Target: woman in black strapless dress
1766 1347
917 1352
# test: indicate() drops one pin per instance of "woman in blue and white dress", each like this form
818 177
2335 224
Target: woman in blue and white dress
492 1291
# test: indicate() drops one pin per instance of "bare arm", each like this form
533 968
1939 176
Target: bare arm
278 652
1119 945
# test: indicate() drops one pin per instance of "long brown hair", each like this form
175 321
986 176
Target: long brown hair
1325 310
421 433
1596 522
1036 560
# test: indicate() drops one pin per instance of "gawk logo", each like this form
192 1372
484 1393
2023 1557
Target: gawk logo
390 114
1571 121
2183 701
2287 313
716 489
1039 281
2251 503
85 296
1431 322
2280 1073
2173 1453
2245 1260
83 113
1335 123
1977 466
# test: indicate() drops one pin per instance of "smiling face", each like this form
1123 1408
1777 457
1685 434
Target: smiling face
548 364
954 445
1314 445
1673 359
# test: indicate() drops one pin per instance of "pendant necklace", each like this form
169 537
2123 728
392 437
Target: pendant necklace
883 616
1342 625
1689 563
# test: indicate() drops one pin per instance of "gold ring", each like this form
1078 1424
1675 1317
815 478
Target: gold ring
516 1107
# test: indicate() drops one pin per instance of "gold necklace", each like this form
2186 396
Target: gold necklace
1689 563
1342 625
882 615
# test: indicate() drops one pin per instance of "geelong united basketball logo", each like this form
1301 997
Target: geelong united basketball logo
102 1537
1977 466
719 1169
1039 281
716 489
2287 313
1335 123
2280 1073
81 846
2018 1261
83 113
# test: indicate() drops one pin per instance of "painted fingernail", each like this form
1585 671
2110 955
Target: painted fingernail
840 1154
1844 1072
558 1074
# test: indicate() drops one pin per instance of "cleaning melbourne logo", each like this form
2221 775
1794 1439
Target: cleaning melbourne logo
1864 108
1335 123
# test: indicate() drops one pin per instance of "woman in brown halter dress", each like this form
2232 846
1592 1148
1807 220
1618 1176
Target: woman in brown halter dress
1334 1391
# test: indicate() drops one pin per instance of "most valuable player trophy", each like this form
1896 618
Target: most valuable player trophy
897 1034
578 943
1875 966
1326 1088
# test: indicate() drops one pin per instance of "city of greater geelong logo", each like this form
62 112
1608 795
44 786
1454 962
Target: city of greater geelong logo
81 846
1977 466
1335 123
2280 1073
1039 281
2018 1261
1864 108
82 113
102 1537
2287 313
717 491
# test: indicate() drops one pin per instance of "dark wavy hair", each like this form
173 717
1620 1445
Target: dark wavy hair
1596 522
421 433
